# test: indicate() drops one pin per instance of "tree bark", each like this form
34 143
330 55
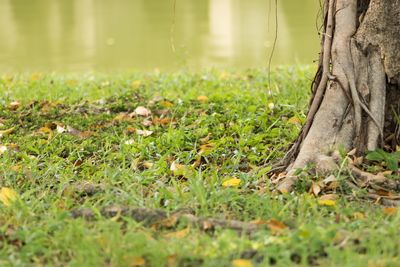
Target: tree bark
356 91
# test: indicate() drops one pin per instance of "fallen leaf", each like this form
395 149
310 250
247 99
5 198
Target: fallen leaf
142 111
147 123
171 261
60 129
129 142
202 98
8 196
232 182
122 117
3 149
166 104
138 261
14 105
316 189
179 234
358 215
242 263
206 148
272 224
7 131
182 170
162 121
326 202
145 133
136 84
35 76
390 210
294 120
148 164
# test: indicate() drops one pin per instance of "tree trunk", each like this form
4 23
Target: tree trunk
356 91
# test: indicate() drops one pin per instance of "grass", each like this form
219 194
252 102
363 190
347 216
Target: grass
70 131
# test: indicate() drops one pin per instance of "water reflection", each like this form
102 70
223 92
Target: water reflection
74 35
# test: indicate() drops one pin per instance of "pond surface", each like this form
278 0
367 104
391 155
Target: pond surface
113 35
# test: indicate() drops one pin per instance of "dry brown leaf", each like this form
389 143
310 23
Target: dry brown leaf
144 133
148 164
316 188
122 117
390 210
162 121
205 139
14 105
171 261
272 224
142 111
179 234
147 122
206 148
138 261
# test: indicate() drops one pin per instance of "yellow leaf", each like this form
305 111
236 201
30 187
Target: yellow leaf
242 263
136 84
35 76
326 202
8 196
202 98
390 210
182 170
7 132
138 261
271 105
233 182
223 76
166 104
148 164
179 234
358 215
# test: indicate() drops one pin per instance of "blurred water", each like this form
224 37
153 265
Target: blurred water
112 35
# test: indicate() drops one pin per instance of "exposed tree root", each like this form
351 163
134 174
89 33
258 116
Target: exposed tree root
158 218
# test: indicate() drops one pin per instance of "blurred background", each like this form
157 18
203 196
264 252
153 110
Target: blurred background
114 35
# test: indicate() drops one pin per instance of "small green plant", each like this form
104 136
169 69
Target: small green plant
390 159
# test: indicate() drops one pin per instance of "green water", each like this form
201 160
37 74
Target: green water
113 35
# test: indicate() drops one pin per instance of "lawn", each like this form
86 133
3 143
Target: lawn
96 170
